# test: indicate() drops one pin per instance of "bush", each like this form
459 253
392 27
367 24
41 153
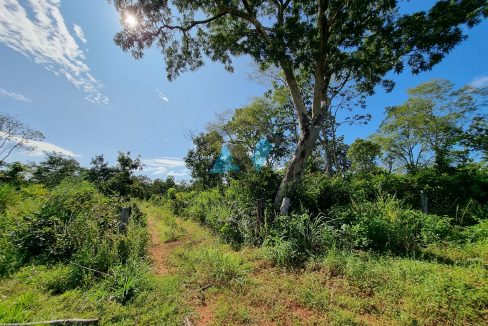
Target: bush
77 226
295 239
179 201
317 193
17 203
124 282
384 225
8 195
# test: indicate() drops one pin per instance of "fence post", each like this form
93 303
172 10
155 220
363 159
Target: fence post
260 214
424 202
124 219
285 206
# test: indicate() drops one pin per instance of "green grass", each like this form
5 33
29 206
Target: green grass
25 298
166 223
445 286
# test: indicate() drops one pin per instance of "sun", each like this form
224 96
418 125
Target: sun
131 20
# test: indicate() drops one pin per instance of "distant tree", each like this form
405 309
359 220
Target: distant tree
335 42
268 118
363 155
14 135
55 168
160 187
429 126
199 160
122 179
14 174
100 172
476 137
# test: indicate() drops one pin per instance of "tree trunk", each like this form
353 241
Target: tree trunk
328 156
294 171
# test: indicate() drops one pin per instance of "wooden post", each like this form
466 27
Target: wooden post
124 219
285 206
260 215
424 202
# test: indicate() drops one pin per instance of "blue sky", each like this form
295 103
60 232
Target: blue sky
61 73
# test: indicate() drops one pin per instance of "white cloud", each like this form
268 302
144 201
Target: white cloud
79 33
480 82
13 95
43 37
162 96
39 148
166 166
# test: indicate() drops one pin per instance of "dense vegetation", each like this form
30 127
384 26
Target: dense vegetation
357 221
392 229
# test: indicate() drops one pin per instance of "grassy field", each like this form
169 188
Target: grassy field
200 281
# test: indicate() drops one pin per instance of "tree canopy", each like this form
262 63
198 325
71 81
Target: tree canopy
15 135
430 125
335 43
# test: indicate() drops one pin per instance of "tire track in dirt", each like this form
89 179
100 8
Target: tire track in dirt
160 253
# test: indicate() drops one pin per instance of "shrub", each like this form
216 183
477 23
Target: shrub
317 193
124 282
77 226
8 195
179 201
384 225
296 238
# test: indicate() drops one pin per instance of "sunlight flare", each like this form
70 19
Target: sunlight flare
131 20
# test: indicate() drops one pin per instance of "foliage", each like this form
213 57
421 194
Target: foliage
14 136
74 224
125 282
294 240
476 137
363 155
200 159
328 42
55 168
429 125
211 267
384 225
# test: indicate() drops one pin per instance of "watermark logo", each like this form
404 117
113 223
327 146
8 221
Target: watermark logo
224 163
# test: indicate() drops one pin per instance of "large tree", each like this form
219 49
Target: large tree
337 42
429 126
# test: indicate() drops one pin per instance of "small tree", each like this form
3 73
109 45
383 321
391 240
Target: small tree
122 179
199 160
363 155
14 136
55 168
100 172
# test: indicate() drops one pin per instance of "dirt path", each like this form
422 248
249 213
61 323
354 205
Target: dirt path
159 251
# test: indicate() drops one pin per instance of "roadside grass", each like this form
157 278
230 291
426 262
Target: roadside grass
25 297
467 254
166 223
341 288
244 288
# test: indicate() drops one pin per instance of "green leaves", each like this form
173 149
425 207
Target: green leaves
368 38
